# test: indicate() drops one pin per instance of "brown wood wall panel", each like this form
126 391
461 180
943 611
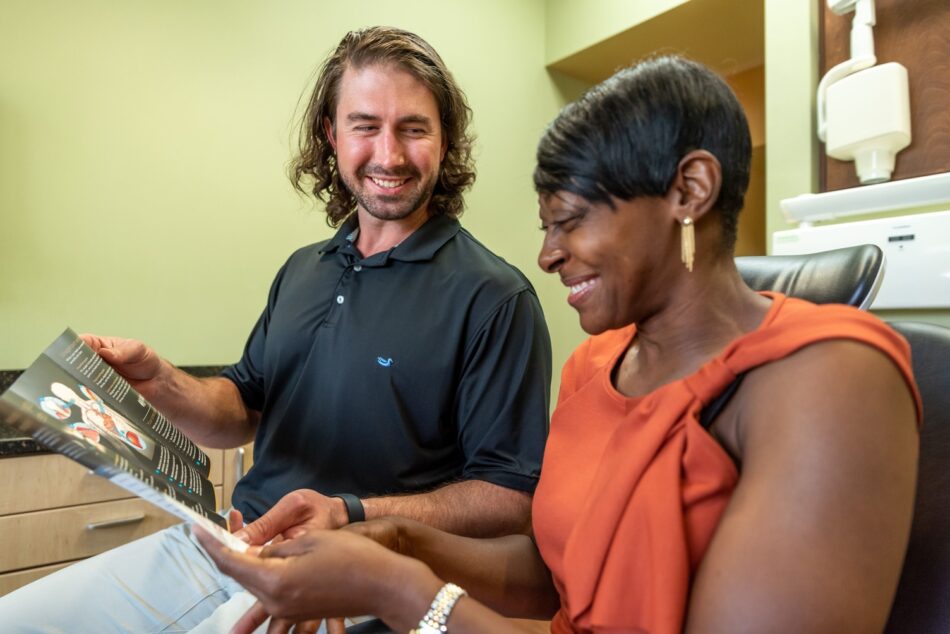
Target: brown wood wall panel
915 33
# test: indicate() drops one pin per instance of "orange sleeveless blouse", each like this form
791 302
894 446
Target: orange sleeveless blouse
632 489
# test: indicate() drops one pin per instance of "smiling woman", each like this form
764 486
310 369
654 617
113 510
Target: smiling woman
603 253
644 518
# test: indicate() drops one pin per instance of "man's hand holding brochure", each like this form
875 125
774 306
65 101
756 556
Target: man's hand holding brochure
73 402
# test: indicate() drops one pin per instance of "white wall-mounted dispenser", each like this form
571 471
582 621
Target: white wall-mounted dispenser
863 109
868 120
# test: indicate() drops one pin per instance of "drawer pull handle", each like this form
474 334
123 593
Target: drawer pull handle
122 521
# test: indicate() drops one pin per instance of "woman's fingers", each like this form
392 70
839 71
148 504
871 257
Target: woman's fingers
251 620
305 544
382 531
254 573
311 627
279 626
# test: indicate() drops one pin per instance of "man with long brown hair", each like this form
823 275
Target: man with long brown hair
385 49
399 368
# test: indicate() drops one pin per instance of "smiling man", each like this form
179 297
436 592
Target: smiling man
389 156
399 368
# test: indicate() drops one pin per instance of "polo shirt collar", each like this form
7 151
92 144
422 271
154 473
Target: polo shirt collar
421 245
345 235
426 240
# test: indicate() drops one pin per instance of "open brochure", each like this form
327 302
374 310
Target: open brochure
72 402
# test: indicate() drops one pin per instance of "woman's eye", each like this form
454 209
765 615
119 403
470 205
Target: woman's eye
567 224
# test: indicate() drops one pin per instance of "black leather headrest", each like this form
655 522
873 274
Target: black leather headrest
851 275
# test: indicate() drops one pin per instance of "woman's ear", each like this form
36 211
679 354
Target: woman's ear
695 187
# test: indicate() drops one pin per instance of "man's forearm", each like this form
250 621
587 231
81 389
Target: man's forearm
209 411
474 508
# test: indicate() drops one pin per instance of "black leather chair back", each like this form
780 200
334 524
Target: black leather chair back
922 604
851 275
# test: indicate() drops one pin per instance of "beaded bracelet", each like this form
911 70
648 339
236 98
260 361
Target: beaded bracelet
434 620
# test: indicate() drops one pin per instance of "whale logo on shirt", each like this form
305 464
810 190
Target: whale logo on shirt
384 362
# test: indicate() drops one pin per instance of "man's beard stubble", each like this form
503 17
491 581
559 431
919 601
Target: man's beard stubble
381 207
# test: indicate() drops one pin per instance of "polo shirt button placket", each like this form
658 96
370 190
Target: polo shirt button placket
358 268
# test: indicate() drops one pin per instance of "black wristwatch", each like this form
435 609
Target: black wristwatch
354 507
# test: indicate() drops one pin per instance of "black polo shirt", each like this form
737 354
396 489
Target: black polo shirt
427 363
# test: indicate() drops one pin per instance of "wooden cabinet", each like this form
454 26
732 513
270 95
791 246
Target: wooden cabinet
54 512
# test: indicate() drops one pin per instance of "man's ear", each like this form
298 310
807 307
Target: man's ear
445 148
330 132
696 186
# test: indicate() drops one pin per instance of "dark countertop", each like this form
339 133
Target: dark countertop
15 443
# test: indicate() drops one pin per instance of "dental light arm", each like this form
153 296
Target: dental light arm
862 52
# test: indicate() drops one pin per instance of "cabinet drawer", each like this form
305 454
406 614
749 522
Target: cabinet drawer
46 537
31 483
10 581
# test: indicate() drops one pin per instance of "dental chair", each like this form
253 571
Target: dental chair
853 276
922 604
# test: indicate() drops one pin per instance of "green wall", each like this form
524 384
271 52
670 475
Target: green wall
142 149
573 25
143 145
791 75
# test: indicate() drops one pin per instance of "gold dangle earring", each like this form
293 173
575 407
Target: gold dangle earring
688 243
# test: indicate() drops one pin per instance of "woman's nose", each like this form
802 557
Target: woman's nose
552 256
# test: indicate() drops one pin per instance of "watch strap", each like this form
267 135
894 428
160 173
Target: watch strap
354 507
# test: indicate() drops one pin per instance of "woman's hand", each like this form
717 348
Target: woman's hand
321 574
386 531
256 616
